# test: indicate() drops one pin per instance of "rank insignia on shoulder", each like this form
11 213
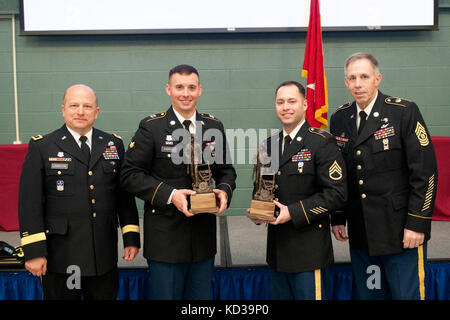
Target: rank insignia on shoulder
344 106
37 137
319 132
155 116
132 144
208 116
117 136
396 101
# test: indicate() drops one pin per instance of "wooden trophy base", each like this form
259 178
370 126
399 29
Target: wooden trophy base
262 210
203 203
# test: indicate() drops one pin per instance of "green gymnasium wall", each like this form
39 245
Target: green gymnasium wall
238 72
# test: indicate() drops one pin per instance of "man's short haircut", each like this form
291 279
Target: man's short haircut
301 88
362 55
183 69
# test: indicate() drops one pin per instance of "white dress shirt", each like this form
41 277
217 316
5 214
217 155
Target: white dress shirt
77 136
367 110
292 134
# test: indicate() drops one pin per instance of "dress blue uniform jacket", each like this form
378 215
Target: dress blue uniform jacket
311 181
150 174
69 209
392 174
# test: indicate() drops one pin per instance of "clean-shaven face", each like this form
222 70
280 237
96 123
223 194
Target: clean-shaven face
184 91
362 81
80 108
290 106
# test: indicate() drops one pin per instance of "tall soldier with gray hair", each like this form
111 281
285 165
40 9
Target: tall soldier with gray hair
392 182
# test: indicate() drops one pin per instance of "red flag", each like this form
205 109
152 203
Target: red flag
313 70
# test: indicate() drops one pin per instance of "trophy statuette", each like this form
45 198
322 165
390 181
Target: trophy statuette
262 206
204 201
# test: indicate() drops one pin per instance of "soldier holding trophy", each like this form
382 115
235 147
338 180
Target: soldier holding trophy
180 202
308 182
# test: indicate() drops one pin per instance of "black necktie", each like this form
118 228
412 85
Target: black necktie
287 142
362 121
85 148
186 124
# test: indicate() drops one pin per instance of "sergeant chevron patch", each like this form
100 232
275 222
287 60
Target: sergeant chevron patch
421 134
335 171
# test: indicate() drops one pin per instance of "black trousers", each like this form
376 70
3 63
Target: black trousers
55 287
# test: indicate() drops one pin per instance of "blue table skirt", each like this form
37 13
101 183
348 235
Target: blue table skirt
228 284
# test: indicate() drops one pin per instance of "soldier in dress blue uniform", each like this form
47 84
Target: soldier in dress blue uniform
392 185
309 184
71 203
179 246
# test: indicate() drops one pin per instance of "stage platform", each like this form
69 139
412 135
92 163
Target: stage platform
241 269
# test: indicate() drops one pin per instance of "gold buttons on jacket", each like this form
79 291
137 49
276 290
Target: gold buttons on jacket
93 201
90 173
361 182
358 167
94 214
363 196
59 172
279 172
91 187
358 152
153 210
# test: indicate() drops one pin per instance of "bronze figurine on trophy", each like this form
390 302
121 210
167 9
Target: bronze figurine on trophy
204 201
262 206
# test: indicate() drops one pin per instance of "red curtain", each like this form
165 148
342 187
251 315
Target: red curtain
11 159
